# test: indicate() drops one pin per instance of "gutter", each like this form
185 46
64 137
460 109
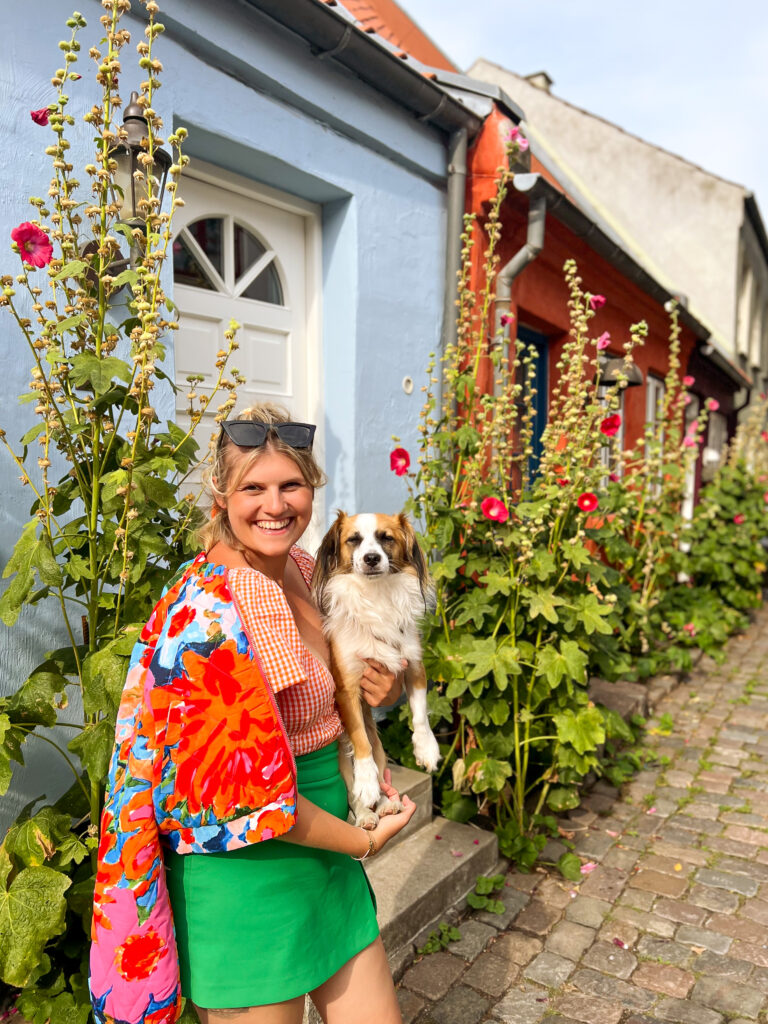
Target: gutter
334 35
554 201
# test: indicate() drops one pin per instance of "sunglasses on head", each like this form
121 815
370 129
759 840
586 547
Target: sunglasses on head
252 434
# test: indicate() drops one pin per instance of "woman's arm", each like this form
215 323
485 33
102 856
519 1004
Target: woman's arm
316 827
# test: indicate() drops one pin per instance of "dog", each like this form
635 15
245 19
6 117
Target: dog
371 587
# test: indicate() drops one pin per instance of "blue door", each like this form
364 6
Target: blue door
541 382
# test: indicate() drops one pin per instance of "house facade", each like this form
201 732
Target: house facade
317 213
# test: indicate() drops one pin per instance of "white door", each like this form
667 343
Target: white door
249 256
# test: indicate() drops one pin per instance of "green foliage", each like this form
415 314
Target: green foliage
109 517
439 939
482 897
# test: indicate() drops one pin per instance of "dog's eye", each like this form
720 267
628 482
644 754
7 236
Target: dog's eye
354 540
384 538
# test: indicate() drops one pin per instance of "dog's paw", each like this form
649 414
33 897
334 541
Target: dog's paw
388 806
365 787
426 750
367 818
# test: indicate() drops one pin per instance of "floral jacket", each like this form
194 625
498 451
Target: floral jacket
202 763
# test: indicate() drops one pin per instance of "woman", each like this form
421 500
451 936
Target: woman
228 707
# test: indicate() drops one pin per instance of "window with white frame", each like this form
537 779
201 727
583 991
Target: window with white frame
717 439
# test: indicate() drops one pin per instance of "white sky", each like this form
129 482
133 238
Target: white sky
688 75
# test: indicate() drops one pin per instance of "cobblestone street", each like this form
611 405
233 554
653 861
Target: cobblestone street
670 923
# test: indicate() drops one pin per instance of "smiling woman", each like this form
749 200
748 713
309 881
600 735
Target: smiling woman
230 699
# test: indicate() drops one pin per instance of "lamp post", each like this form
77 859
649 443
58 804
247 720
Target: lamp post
618 371
130 156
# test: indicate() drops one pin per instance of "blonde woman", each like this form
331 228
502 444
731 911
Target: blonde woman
228 872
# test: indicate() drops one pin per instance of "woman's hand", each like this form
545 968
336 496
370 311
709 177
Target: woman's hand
380 687
391 824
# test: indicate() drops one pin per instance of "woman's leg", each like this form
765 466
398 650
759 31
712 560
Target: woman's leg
361 992
289 1012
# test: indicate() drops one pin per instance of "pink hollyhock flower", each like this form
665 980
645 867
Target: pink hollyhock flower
712 404
765 497
40 116
764 435
588 868
522 144
587 501
739 518
690 629
610 425
603 341
687 400
513 134
596 301
506 319
34 245
689 381
614 478
399 461
494 509
689 441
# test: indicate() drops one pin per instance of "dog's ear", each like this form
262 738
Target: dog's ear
415 556
327 561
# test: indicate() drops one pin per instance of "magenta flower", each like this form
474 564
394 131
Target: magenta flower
603 341
399 461
34 245
610 425
596 301
40 116
689 381
513 134
614 478
494 509
506 319
689 441
739 518
690 629
587 501
712 404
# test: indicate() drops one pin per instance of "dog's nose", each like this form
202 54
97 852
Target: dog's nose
371 558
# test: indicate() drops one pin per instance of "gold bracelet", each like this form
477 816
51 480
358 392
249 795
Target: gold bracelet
372 848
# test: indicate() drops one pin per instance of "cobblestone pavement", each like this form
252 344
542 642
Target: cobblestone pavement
670 925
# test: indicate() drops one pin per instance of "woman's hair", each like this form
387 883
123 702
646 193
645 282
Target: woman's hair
222 478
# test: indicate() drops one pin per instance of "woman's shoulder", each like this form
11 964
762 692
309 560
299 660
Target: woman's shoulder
304 561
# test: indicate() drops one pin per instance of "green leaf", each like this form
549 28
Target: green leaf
46 837
11 739
37 699
94 746
543 565
482 655
492 776
68 323
542 602
31 913
578 555
98 372
458 807
592 615
32 433
127 276
447 568
499 711
71 269
477 901
584 730
496 583
104 674
569 866
562 798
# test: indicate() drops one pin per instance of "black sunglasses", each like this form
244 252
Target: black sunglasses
253 434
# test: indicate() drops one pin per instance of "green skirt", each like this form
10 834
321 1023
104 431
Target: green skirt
271 921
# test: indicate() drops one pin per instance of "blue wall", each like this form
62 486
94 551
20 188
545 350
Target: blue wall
255 102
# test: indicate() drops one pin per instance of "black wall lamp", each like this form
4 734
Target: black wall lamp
130 155
618 371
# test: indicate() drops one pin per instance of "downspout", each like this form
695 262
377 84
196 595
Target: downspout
534 243
455 199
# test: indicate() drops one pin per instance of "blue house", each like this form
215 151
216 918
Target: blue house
323 212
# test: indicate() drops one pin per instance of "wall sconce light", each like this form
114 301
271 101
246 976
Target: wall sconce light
126 156
617 371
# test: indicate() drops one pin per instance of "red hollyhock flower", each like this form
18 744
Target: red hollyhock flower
494 509
739 518
587 501
764 435
34 245
596 301
40 116
139 955
399 461
563 481
610 425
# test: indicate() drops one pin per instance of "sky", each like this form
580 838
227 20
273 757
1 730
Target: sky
690 76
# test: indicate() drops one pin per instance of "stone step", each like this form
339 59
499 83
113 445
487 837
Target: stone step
418 786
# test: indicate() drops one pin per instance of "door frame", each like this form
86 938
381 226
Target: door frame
311 213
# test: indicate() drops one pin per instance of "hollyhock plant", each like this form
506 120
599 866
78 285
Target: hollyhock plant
399 461
40 116
34 245
587 501
688 381
596 302
603 341
494 509
610 425
712 404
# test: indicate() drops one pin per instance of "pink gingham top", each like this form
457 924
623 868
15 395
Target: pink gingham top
302 684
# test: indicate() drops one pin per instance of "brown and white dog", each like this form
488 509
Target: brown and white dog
372 588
